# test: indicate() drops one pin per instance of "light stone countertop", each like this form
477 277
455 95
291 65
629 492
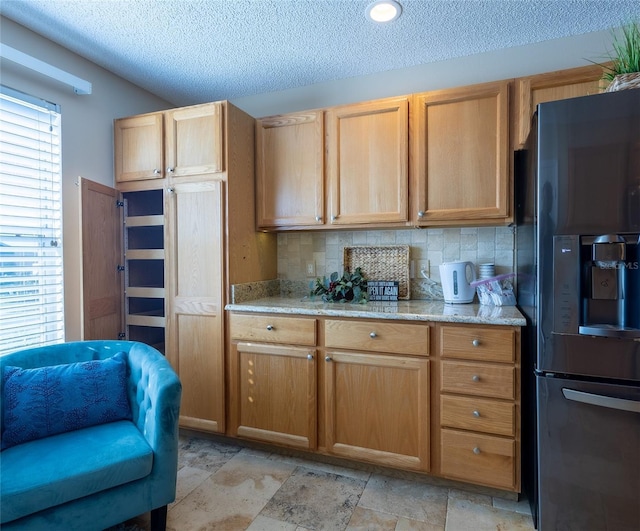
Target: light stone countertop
412 310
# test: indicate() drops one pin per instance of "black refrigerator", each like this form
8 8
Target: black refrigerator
577 191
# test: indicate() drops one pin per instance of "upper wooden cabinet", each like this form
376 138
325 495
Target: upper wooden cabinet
365 180
138 147
180 142
367 162
290 170
552 86
460 142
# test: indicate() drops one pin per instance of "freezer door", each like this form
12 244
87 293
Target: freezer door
589 455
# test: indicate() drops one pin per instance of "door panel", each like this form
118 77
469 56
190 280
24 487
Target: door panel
102 283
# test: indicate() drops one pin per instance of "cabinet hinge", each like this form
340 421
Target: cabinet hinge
122 335
119 204
120 268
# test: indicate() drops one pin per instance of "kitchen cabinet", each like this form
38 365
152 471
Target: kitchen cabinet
460 146
178 142
551 86
365 180
376 385
290 170
367 162
479 411
188 236
273 379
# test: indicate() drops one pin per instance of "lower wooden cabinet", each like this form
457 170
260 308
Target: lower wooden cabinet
386 392
377 408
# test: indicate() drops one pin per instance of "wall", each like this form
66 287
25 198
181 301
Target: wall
87 135
547 56
478 245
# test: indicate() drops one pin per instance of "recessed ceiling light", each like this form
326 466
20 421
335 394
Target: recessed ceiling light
383 10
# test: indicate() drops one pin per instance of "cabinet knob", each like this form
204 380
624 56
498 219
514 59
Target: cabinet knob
476 342
373 335
170 170
421 214
309 356
269 327
327 358
476 450
156 172
170 190
333 218
476 413
318 219
475 378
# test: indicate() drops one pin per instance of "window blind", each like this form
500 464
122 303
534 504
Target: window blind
31 282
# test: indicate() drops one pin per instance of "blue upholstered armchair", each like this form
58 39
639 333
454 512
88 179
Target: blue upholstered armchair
89 436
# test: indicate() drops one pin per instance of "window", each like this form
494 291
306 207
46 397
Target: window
31 289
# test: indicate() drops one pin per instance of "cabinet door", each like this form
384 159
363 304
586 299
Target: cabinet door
194 140
276 394
102 284
377 408
290 170
138 148
461 155
367 162
552 86
194 288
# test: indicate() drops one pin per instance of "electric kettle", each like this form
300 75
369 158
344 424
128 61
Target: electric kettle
456 287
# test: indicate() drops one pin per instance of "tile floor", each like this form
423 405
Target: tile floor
222 487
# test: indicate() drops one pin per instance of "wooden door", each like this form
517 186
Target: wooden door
552 86
194 140
194 287
461 155
102 283
138 148
377 408
276 387
367 162
290 170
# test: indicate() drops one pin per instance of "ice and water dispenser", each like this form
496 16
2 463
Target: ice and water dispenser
610 285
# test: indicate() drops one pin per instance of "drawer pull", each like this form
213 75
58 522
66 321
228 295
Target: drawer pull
309 356
269 327
373 335
476 450
476 342
476 413
475 378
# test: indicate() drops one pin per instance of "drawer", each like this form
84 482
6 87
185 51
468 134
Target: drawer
478 379
478 414
478 343
478 458
273 329
376 336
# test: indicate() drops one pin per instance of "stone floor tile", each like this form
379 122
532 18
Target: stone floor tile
463 515
264 523
233 496
413 500
522 506
368 520
480 499
406 524
189 478
324 467
315 500
204 453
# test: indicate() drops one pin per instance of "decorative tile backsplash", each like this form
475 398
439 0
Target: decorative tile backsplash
325 249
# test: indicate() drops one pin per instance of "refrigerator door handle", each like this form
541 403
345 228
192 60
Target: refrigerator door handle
601 400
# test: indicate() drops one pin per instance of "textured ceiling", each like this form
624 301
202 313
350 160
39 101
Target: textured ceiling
195 51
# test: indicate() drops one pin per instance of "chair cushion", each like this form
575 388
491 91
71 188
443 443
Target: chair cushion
59 398
54 470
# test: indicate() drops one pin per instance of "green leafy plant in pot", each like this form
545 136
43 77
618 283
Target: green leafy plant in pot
350 287
624 72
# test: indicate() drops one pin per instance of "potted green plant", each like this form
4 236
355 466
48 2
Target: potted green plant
624 72
350 287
